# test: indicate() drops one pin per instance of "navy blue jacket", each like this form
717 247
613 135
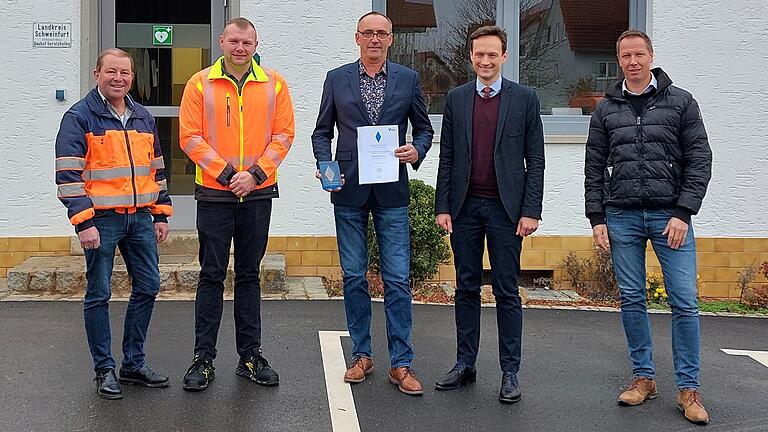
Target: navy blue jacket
518 154
342 106
92 145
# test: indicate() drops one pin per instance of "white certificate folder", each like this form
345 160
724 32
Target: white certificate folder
376 158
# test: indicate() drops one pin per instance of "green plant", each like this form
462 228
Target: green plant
730 306
655 290
428 248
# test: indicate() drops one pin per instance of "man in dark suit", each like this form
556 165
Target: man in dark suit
490 184
374 91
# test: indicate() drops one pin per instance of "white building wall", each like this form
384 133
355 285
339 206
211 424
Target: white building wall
303 40
30 115
717 53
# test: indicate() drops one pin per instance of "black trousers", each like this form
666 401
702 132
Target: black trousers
478 220
218 224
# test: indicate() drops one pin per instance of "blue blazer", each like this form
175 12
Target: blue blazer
518 153
342 106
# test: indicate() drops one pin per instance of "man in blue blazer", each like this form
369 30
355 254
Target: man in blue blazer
374 91
490 184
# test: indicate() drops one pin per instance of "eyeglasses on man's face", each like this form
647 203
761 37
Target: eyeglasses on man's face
368 34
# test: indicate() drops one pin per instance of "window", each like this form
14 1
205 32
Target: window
431 37
564 49
584 62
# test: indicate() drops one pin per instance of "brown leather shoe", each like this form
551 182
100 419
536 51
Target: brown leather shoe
405 380
689 402
641 389
357 371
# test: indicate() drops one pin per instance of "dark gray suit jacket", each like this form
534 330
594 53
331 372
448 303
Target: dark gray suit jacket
518 154
342 106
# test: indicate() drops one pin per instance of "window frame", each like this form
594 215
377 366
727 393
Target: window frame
557 128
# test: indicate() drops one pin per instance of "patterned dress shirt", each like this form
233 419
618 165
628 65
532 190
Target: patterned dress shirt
373 91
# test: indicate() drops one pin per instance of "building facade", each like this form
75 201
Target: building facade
559 47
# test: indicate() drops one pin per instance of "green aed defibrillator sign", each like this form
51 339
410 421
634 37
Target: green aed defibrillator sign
162 35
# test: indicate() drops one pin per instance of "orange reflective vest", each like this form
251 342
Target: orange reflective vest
225 131
102 165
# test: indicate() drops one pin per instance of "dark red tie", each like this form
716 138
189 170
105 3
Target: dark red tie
487 92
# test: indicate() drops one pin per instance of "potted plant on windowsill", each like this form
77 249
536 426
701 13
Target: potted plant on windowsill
581 94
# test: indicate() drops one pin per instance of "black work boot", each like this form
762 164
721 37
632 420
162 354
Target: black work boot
257 369
199 374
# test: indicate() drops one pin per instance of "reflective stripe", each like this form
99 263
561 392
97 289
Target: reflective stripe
71 189
124 200
199 87
234 161
113 173
210 112
107 174
163 184
270 109
207 158
283 139
273 155
249 161
147 198
190 145
157 163
142 171
65 163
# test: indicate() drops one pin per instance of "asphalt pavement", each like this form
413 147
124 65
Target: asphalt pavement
574 365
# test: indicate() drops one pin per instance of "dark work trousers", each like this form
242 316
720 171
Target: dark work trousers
217 224
482 218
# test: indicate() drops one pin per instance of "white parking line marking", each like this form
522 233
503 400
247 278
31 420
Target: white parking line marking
340 400
759 356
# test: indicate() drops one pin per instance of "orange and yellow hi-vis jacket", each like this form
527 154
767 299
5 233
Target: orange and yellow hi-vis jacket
103 165
225 130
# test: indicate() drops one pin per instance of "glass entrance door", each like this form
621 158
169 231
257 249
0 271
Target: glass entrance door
169 41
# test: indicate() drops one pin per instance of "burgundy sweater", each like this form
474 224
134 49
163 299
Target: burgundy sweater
482 182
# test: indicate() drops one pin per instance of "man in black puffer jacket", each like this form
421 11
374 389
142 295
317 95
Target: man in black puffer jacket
648 164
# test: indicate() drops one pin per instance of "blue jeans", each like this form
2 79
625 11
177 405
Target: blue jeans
134 234
629 231
393 236
478 220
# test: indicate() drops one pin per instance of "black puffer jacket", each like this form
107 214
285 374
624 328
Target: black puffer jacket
660 159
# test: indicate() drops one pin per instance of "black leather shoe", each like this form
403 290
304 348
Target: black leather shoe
457 377
107 385
200 374
143 376
257 369
510 388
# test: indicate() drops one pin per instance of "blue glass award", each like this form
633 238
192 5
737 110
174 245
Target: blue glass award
330 175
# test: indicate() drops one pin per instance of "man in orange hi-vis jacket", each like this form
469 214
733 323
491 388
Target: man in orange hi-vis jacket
109 172
236 124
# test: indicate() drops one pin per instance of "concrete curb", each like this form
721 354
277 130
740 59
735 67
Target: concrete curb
314 297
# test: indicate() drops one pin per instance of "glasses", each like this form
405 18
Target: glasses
370 34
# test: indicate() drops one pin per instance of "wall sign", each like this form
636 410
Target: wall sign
162 35
51 35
